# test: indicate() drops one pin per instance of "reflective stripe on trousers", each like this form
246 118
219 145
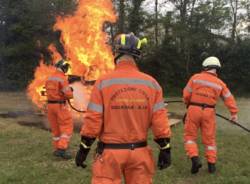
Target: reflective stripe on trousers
56 138
211 148
190 142
65 136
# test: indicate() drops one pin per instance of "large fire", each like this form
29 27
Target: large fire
85 45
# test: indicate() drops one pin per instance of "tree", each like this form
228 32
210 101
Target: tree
234 7
27 29
121 22
156 23
177 38
135 18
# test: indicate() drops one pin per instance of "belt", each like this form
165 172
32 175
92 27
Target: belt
201 105
131 146
56 101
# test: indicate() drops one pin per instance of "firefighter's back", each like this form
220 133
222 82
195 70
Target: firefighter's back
207 88
123 105
53 86
129 96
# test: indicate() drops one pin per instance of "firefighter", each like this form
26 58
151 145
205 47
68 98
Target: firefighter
201 95
124 104
60 119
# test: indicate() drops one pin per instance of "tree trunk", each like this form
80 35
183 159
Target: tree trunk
156 23
234 6
112 36
184 47
135 19
121 21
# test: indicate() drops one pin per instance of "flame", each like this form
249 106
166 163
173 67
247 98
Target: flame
85 45
54 53
37 86
83 39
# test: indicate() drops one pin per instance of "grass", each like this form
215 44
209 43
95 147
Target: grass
25 152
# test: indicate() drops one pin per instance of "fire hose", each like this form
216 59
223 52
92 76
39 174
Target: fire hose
178 101
76 78
219 115
75 109
233 122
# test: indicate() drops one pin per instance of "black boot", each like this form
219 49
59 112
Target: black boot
196 165
211 167
63 154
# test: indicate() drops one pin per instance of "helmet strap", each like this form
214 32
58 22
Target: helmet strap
213 70
211 67
122 54
117 57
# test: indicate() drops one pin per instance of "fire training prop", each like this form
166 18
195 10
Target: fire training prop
76 78
219 115
72 79
75 109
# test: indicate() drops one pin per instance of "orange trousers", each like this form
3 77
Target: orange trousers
61 124
136 166
204 119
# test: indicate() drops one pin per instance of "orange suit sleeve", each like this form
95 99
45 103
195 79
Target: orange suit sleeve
229 100
187 91
66 89
93 120
160 125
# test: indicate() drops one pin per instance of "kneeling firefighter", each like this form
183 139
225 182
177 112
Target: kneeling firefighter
60 119
201 95
124 104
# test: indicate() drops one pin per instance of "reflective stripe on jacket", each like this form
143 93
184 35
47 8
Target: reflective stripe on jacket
124 104
206 88
57 87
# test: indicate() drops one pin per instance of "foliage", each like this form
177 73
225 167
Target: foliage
26 28
178 37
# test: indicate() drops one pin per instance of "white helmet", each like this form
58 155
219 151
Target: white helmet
211 62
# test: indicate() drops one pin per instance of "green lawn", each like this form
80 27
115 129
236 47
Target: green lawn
25 152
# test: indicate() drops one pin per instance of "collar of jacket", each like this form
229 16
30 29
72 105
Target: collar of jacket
126 64
209 73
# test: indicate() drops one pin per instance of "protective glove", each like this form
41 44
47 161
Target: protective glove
234 117
81 156
164 159
83 151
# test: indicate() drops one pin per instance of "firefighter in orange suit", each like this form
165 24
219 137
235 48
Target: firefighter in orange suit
58 91
124 104
201 95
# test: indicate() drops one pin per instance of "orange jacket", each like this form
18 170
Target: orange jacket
124 105
206 88
57 87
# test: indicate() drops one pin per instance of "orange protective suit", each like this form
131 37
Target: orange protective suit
58 91
204 88
124 105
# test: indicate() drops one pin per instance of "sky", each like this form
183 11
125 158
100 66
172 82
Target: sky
163 6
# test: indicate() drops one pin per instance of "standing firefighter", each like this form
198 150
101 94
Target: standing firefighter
124 105
201 95
58 91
